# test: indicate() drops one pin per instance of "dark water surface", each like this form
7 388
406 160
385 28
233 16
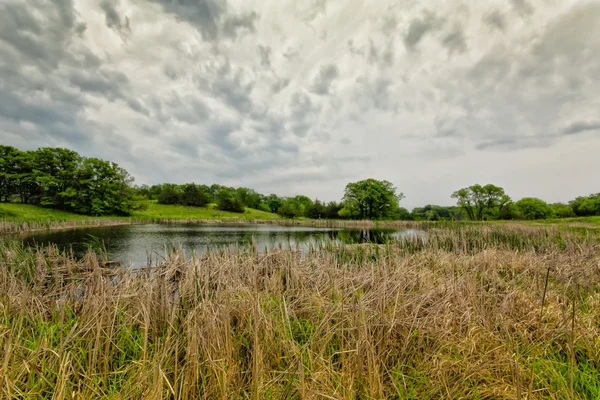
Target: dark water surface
137 244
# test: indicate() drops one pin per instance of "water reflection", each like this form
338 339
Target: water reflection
136 244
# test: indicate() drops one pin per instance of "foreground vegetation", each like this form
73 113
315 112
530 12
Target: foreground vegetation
478 311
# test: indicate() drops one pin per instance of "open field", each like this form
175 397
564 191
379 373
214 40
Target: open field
476 312
17 217
177 212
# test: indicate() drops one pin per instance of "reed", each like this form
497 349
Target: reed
478 312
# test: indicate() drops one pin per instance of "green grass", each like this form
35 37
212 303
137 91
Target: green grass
17 212
25 212
177 212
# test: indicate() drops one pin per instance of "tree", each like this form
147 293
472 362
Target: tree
192 195
586 206
55 171
8 169
290 209
435 213
533 208
370 199
316 210
562 210
102 188
482 202
274 202
228 201
169 194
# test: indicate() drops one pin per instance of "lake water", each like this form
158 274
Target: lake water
137 244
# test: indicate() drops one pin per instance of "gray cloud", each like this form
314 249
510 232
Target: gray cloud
245 93
419 27
114 20
324 79
213 18
228 84
581 127
455 40
301 115
264 53
522 7
496 20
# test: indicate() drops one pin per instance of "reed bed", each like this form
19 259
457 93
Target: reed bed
474 312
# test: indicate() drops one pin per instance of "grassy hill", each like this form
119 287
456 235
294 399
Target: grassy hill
161 211
16 212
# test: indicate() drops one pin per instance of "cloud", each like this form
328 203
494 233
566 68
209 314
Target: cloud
496 20
324 79
305 96
419 27
522 7
213 18
114 20
455 41
264 53
581 127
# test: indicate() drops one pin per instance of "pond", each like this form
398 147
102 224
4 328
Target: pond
140 245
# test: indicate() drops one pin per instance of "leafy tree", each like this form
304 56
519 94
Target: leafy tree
144 192
193 195
169 194
562 210
290 209
370 199
533 208
55 172
316 210
436 213
481 202
102 188
228 201
8 170
332 210
274 202
586 206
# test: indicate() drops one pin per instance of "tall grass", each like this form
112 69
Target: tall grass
467 314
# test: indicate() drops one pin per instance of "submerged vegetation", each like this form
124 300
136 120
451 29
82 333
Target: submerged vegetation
475 311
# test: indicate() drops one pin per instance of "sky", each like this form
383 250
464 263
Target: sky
303 96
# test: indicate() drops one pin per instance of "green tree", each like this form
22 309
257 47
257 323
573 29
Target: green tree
533 208
228 201
562 210
274 202
169 194
290 209
316 210
9 157
586 206
193 195
55 171
482 202
370 199
103 188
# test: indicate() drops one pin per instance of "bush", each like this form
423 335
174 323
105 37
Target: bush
562 210
532 208
227 201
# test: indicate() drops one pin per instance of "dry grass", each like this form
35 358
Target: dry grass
458 317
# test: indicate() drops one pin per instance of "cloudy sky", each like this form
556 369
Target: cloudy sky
303 96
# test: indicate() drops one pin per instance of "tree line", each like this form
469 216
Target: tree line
62 179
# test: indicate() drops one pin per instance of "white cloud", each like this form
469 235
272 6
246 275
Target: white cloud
304 96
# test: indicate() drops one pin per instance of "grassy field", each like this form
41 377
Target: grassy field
177 212
476 312
16 217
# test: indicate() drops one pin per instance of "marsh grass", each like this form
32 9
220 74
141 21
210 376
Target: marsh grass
457 316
